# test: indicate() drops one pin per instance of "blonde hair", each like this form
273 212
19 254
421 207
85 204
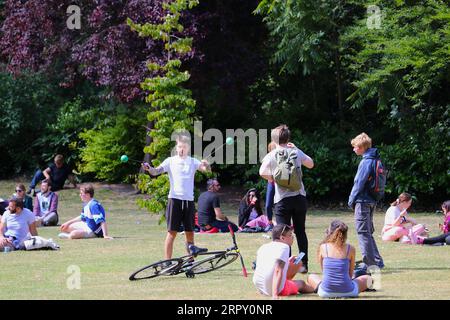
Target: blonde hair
362 140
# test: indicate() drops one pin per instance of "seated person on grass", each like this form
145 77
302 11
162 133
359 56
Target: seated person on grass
337 260
398 225
91 223
56 173
16 225
20 194
275 270
209 213
46 206
444 238
250 212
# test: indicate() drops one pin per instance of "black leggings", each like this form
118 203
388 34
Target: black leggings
443 238
294 209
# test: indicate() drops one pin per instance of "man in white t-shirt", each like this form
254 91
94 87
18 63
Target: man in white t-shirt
275 269
290 206
180 207
16 225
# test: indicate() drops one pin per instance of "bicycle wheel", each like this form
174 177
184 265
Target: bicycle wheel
213 263
164 267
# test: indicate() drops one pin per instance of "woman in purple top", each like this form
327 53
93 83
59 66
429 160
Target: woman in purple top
337 259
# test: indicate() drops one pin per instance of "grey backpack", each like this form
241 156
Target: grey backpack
287 174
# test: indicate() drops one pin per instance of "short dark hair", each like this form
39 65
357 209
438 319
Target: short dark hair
47 181
59 158
281 134
280 230
210 183
17 201
88 189
446 205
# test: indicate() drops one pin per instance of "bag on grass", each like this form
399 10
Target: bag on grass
36 242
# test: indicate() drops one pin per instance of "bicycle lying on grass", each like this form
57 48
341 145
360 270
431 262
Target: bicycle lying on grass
209 261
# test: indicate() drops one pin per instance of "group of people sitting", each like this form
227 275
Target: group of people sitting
44 206
211 219
400 226
276 267
18 223
21 215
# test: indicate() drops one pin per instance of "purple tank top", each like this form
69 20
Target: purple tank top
336 278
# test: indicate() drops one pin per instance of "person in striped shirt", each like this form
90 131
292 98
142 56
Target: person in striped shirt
91 223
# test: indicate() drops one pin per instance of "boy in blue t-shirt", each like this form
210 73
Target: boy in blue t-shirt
92 221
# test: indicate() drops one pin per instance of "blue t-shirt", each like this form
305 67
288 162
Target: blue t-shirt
94 214
18 226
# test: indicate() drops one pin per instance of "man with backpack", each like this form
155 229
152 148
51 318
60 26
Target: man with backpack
368 188
283 166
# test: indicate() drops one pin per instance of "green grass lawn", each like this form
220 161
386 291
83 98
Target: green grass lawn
412 272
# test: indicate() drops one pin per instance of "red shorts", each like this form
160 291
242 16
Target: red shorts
290 288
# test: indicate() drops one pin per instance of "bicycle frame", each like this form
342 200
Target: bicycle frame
186 264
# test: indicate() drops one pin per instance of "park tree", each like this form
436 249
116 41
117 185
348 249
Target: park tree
171 105
402 68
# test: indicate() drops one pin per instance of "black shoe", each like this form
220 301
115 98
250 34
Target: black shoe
194 250
29 190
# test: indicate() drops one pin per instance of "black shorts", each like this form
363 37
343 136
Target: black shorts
180 212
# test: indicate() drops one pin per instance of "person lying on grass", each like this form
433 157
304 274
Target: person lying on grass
337 260
91 223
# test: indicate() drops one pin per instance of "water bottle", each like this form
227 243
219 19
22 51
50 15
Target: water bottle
7 249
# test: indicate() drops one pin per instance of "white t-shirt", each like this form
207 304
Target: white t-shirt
269 165
391 215
266 258
181 175
18 226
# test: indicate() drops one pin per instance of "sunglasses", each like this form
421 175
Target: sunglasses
19 190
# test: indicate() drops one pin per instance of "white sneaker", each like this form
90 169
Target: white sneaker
53 244
64 235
